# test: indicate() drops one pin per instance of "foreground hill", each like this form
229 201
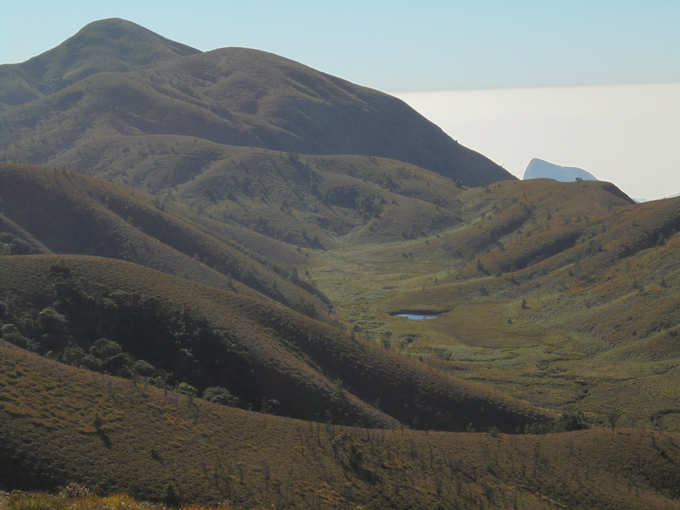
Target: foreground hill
559 293
45 210
60 424
232 96
268 356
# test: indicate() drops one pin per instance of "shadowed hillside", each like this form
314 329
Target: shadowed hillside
311 369
233 96
105 431
70 213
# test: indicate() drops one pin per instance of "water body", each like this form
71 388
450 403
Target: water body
417 316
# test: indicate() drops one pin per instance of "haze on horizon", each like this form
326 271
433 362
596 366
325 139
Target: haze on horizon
626 134
513 48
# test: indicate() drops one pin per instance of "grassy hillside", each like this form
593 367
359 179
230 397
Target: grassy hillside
106 45
311 201
561 294
265 354
60 424
77 214
232 96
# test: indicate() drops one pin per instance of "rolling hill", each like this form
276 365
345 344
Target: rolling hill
61 424
231 227
310 201
558 293
78 214
268 356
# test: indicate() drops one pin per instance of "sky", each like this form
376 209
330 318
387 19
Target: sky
402 47
625 134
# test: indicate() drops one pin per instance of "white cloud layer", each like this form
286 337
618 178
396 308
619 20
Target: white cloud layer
626 134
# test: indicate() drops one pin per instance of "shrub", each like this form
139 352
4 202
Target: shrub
73 355
90 362
187 389
10 333
144 368
52 321
104 348
121 364
220 395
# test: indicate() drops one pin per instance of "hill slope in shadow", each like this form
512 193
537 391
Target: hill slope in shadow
258 350
78 214
233 96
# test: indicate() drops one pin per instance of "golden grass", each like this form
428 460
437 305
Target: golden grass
574 327
79 214
295 359
148 440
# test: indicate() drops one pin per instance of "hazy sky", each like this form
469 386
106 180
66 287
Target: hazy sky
623 134
397 44
627 134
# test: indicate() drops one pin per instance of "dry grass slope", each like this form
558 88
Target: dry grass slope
312 369
561 294
78 214
60 424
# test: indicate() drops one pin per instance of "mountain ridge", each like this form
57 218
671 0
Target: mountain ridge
233 96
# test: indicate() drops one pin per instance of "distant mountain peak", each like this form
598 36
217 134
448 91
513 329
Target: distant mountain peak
108 45
122 31
541 169
230 96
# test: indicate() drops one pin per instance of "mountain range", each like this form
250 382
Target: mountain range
115 79
206 260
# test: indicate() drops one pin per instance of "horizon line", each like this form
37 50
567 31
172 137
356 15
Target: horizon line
538 87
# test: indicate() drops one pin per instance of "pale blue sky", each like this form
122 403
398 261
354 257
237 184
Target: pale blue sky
394 45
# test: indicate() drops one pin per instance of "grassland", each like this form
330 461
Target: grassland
82 215
141 439
261 195
312 369
560 294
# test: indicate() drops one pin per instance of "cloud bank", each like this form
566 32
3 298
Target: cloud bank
626 134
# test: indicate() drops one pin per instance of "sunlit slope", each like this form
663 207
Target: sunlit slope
313 370
61 424
562 294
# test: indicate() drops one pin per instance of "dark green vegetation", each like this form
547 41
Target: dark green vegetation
232 96
245 232
268 356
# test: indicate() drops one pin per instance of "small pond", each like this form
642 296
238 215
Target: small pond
417 316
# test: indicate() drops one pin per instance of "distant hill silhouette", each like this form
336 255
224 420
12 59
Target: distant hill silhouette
541 169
